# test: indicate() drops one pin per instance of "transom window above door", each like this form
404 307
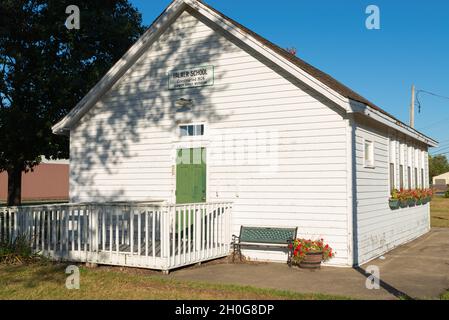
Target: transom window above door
191 130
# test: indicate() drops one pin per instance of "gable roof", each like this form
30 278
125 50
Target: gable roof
442 176
178 5
316 73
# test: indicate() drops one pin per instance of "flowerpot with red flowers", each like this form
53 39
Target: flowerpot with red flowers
411 202
417 196
310 254
403 197
428 195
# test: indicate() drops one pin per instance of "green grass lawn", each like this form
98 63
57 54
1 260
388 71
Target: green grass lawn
47 281
445 296
439 210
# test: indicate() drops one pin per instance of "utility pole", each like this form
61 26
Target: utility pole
412 108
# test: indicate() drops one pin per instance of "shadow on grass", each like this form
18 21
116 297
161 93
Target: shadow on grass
31 275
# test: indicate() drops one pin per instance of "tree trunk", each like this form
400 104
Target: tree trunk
14 187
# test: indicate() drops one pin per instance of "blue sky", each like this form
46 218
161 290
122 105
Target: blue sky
411 47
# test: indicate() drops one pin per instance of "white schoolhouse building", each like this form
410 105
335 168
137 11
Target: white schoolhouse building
201 109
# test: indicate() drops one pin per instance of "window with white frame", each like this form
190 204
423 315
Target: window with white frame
392 163
191 130
409 177
425 169
401 165
422 178
417 169
392 150
416 178
368 154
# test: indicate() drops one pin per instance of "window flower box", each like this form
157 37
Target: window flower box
409 198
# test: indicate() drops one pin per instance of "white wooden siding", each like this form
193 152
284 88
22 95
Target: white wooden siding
378 228
124 148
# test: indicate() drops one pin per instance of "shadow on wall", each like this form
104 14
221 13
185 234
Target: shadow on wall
113 132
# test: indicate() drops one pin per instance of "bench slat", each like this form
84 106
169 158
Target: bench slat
262 244
266 235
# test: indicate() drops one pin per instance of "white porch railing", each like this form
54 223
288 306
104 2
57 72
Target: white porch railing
146 235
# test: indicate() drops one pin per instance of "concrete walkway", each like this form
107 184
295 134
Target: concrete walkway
419 269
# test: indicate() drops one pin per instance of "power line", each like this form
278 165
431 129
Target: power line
435 123
444 148
418 102
440 154
442 145
432 94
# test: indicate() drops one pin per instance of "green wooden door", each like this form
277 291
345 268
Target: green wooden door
191 176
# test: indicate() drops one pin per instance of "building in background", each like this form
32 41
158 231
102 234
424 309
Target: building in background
48 182
441 183
442 179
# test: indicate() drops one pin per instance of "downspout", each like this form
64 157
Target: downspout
351 187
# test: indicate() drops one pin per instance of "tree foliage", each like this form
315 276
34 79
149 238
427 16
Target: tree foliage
46 69
438 165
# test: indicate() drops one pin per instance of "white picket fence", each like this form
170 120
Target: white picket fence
147 235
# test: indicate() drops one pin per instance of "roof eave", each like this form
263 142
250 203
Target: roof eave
358 107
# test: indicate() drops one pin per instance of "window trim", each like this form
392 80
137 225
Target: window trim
415 178
422 179
409 178
392 154
371 164
392 175
180 136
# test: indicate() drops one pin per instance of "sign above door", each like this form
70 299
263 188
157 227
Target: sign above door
191 78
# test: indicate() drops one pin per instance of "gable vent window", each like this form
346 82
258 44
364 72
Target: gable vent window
369 154
191 130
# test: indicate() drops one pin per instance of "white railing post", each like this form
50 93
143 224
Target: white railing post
66 232
94 230
2 215
131 231
139 231
165 235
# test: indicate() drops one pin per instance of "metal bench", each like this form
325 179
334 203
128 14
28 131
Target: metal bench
264 237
